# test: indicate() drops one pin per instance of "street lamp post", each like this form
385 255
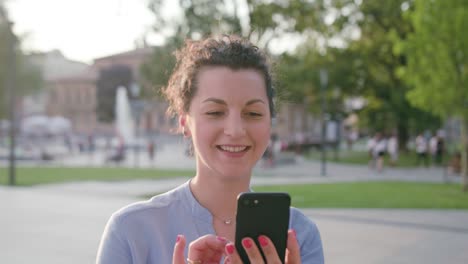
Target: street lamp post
10 79
337 120
323 86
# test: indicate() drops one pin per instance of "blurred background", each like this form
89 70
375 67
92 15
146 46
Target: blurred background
350 74
370 136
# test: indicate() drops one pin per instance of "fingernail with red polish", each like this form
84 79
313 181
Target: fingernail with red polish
178 238
263 241
222 239
294 232
230 248
246 243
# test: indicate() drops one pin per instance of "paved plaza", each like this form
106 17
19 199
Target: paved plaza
62 223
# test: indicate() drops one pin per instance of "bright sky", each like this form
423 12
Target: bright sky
81 29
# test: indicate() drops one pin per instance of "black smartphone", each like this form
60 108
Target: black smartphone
262 214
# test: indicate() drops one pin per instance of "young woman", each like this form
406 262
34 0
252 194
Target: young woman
222 92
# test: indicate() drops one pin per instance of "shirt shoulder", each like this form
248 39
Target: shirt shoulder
301 222
308 236
157 206
145 231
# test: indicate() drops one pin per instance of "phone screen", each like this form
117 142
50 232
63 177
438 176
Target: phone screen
263 214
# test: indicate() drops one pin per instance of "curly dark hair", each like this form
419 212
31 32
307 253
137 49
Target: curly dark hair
230 51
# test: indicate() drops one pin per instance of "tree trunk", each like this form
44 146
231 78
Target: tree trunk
402 130
464 154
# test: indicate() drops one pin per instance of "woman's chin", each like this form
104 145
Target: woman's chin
236 175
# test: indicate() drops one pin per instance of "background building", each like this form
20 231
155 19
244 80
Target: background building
71 92
75 96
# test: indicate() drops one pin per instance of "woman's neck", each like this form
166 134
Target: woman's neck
218 195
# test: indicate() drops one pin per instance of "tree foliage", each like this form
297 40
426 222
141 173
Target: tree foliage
27 77
437 53
381 27
198 18
354 40
299 76
362 63
159 67
437 67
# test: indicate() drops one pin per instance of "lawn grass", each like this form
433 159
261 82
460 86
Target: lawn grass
405 159
44 175
375 195
391 194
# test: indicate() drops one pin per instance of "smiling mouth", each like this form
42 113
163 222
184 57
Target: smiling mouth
233 149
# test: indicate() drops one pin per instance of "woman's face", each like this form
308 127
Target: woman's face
229 121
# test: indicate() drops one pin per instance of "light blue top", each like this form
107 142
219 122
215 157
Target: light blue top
145 232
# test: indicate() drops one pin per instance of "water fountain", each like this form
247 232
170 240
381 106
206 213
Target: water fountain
124 123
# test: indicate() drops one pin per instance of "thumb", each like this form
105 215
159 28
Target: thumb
293 254
179 247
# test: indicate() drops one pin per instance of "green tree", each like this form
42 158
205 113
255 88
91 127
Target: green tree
437 67
27 77
353 40
259 20
367 56
159 67
381 26
198 18
300 83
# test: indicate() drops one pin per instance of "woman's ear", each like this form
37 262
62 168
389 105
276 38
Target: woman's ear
183 125
182 120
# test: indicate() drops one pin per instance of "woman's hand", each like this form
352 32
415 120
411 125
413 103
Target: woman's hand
207 249
293 255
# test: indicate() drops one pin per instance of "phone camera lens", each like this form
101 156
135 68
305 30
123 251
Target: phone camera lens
246 202
255 202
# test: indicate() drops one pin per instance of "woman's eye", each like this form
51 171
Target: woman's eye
215 113
254 114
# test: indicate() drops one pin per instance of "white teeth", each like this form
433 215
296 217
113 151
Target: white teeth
233 149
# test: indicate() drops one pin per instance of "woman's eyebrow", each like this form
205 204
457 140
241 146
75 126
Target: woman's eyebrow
222 102
253 101
214 100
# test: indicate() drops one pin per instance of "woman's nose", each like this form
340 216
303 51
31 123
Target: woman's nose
234 126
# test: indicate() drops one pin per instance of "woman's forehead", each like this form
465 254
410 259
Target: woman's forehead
224 77
222 80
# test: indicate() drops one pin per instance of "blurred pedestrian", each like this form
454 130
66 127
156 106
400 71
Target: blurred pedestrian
351 137
392 148
151 150
421 150
371 142
91 143
380 149
440 150
433 148
68 143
